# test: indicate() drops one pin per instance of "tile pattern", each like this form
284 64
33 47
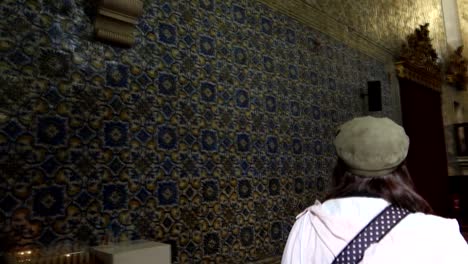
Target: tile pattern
211 133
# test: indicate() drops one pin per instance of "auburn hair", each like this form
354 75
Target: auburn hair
397 187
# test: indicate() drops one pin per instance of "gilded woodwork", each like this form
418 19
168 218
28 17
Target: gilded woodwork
375 27
457 74
418 60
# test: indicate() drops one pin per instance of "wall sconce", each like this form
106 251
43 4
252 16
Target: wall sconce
116 19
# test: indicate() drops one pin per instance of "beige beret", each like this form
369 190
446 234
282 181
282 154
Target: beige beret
371 146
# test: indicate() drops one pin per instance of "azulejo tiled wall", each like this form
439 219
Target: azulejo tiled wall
211 133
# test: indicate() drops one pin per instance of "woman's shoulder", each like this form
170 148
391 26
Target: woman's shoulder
430 219
420 222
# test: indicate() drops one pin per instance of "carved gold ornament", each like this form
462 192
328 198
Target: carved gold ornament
457 74
418 60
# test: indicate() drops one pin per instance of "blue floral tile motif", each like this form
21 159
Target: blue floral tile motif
143 26
115 196
48 201
293 74
297 146
167 84
209 140
210 166
167 222
168 166
331 84
189 89
316 112
318 147
298 185
143 195
50 165
167 110
143 136
276 231
54 64
242 98
241 77
191 247
247 235
207 4
115 134
240 55
167 58
244 165
244 189
168 193
208 92
167 33
117 75
270 104
238 14
190 139
274 187
116 165
243 142
211 244
266 25
272 144
207 46
144 80
210 190
167 137
295 108
13 129
291 36
268 64
51 130
116 104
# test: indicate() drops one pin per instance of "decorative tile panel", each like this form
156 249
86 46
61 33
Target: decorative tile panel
211 133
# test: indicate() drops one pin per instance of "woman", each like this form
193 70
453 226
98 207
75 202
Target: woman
373 215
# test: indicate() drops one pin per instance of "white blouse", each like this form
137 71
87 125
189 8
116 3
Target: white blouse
323 230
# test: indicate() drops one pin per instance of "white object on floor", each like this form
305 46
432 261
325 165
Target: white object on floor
133 252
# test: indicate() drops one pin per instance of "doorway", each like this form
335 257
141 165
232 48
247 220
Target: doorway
421 109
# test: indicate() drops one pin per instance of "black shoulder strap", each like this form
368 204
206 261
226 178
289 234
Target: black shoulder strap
372 233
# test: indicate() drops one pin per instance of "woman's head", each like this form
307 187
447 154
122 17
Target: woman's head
371 146
371 155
